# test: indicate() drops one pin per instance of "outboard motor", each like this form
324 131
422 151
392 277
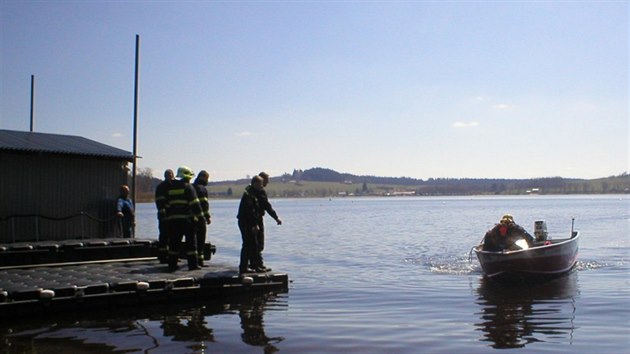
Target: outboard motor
540 230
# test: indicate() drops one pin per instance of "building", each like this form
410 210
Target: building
58 187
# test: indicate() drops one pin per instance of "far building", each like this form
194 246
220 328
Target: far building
59 187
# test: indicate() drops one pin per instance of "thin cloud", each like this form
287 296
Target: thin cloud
117 135
460 125
244 134
503 106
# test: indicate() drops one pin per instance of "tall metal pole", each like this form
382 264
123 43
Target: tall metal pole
32 99
135 124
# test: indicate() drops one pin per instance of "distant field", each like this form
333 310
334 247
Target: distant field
619 184
310 189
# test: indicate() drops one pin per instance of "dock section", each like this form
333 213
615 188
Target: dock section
38 288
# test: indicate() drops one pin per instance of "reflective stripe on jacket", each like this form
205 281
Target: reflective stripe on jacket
182 202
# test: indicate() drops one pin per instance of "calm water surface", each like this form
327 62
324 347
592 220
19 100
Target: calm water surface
386 275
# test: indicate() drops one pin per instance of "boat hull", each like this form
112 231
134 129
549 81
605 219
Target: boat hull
541 261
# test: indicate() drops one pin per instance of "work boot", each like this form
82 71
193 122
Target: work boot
192 264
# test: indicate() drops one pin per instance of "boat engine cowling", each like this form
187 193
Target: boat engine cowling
540 230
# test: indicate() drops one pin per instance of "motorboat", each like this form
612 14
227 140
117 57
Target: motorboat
546 258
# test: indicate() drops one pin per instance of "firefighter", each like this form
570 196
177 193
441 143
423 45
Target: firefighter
248 217
200 231
264 204
161 193
182 211
505 235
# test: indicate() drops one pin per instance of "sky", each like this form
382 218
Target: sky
420 89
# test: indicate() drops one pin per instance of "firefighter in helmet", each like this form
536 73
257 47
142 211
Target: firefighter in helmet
505 235
182 211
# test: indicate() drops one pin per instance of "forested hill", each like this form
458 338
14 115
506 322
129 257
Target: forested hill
613 184
323 182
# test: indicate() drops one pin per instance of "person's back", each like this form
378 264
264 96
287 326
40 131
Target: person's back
182 211
161 202
182 202
200 227
161 193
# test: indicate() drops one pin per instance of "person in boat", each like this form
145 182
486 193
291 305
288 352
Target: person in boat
505 235
125 212
161 193
201 227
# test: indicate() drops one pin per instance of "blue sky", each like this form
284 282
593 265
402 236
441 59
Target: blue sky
417 89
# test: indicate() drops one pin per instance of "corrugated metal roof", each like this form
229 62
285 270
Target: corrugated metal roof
58 144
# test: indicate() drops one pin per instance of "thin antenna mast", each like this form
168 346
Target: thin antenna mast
32 99
135 123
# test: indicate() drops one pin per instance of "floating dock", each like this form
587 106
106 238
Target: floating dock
44 288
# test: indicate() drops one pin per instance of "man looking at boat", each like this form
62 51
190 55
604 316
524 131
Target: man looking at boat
182 211
505 236
161 192
200 228
263 201
125 211
248 217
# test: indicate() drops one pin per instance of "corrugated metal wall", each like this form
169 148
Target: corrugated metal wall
58 186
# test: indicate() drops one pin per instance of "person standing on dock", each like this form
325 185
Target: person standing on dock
161 193
263 201
248 217
200 228
125 212
182 211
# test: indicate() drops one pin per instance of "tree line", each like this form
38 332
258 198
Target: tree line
323 182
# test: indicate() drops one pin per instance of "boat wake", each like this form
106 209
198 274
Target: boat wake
590 265
447 265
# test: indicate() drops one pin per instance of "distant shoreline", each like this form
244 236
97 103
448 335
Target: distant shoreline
236 197
326 183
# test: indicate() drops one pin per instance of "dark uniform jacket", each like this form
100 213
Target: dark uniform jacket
249 211
202 195
503 237
161 195
182 202
263 202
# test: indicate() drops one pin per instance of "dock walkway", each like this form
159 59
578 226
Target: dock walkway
84 285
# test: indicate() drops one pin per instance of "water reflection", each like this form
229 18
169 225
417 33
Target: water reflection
513 315
252 324
190 327
164 328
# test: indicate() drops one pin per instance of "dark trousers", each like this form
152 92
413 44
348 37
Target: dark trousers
127 226
200 233
250 257
260 240
261 236
162 241
177 229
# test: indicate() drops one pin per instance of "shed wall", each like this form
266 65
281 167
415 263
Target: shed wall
40 187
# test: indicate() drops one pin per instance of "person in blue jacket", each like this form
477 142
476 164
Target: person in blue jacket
125 211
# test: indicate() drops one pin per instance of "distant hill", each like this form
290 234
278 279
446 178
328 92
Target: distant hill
324 182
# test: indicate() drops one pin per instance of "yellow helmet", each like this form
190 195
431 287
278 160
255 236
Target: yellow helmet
184 172
507 219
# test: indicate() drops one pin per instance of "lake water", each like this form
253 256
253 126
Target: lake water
382 275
